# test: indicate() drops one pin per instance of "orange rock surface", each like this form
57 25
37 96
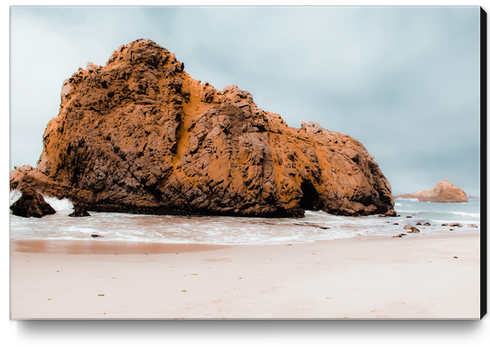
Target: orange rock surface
140 135
444 191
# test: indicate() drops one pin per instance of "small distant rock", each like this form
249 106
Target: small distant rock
395 223
408 217
418 223
455 225
411 229
95 236
400 235
444 225
472 226
427 224
444 191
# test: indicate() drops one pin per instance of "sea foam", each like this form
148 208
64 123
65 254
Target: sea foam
316 226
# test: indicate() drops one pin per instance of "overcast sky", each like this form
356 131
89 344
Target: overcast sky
404 81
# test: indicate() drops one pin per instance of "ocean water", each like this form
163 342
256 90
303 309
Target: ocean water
316 225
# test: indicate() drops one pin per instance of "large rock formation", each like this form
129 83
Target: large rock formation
140 135
444 191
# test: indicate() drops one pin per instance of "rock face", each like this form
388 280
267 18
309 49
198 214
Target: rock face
31 204
140 135
444 191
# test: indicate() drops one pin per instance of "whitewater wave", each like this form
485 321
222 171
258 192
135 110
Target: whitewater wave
469 214
316 226
14 196
63 206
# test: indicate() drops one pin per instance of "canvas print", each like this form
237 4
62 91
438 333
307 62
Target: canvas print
304 162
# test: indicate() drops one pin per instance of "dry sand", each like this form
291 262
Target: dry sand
417 276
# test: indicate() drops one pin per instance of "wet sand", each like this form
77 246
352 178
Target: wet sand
414 277
105 247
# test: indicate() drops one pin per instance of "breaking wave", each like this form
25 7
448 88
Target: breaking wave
315 226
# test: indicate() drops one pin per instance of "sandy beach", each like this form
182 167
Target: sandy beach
415 277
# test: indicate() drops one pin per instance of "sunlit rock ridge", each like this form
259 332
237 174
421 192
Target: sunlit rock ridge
139 135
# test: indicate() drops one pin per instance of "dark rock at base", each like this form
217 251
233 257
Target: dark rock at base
95 236
79 212
391 213
31 204
411 229
312 225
